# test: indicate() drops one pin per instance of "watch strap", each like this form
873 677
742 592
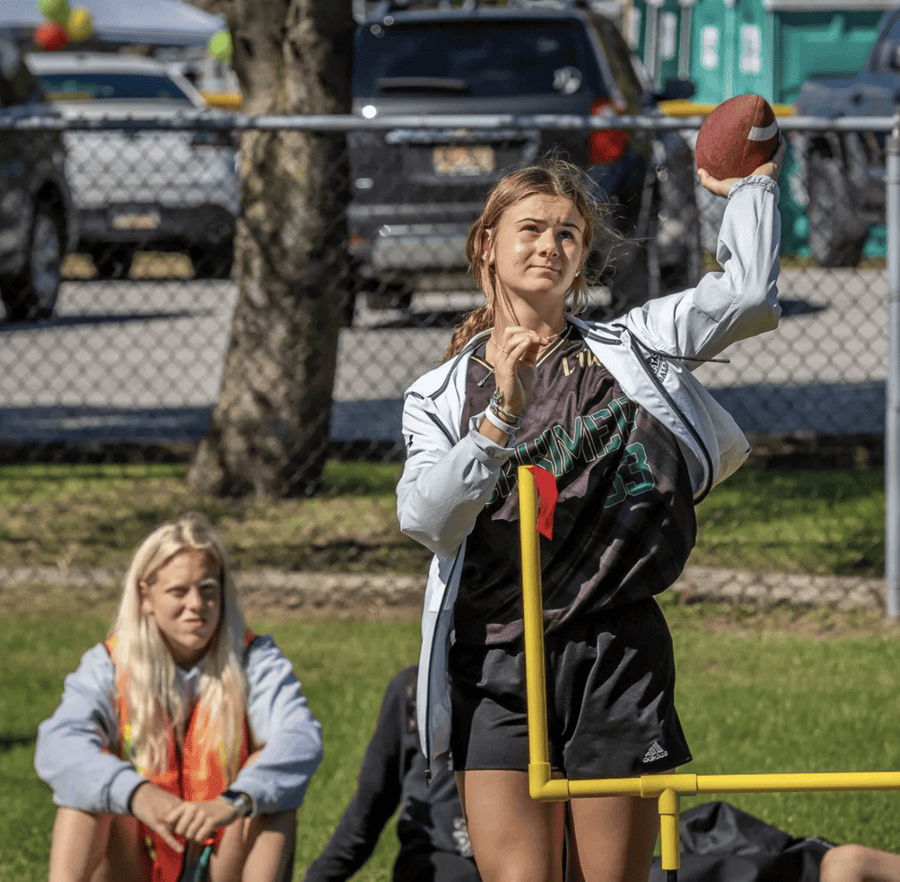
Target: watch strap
242 803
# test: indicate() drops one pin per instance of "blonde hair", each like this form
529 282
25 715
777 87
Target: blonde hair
146 670
551 177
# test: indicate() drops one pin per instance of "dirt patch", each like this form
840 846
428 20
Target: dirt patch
818 623
278 596
265 595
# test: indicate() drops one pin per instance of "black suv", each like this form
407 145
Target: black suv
416 192
36 216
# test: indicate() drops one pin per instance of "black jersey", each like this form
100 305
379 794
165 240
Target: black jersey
624 524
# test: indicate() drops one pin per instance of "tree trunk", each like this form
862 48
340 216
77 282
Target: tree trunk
269 430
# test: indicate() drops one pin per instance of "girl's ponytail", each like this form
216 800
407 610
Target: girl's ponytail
475 322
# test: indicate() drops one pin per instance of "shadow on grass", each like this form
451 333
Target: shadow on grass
8 742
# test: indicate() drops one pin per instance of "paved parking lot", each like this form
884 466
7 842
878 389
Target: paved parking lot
142 360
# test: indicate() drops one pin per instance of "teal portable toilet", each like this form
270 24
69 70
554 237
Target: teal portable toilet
729 50
657 32
771 47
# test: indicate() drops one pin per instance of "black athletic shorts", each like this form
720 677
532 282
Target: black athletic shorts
610 699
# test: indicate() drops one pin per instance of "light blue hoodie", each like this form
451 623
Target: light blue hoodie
76 746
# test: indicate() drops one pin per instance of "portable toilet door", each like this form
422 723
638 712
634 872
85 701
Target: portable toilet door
731 50
662 29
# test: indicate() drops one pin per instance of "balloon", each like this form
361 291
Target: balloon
80 25
51 36
221 46
55 10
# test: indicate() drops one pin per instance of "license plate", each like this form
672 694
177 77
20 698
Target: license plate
145 220
463 160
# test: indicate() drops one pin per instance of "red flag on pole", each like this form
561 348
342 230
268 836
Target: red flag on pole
548 494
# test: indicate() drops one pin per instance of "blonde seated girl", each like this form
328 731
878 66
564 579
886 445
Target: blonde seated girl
183 744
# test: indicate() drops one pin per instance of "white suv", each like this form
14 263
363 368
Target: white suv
143 188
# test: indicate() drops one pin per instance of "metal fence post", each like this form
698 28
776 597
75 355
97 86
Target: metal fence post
892 429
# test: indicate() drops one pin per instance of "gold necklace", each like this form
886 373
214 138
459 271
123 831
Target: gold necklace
547 345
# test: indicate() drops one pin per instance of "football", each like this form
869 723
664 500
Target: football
737 137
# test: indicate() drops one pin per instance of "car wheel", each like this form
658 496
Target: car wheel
113 261
212 261
836 236
32 293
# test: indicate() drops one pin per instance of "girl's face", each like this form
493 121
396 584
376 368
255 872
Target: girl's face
185 601
536 248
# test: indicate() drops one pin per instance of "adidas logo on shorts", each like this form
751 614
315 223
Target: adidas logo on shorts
655 753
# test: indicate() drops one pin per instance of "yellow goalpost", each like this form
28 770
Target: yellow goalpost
666 789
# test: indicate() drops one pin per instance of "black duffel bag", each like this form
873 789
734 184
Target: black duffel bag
721 843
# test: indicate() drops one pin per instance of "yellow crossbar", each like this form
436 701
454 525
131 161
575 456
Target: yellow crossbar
664 788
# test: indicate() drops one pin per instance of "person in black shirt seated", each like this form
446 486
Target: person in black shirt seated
434 843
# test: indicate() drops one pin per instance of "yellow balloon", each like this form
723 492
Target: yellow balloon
80 25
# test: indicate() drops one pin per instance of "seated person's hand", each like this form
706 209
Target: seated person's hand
771 169
153 805
171 817
196 821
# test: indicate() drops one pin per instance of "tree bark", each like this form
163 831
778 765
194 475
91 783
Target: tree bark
269 430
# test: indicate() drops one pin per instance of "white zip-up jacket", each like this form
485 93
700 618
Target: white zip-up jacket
449 476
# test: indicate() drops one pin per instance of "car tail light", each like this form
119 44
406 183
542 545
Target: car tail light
606 145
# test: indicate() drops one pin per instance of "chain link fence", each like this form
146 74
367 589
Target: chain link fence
129 363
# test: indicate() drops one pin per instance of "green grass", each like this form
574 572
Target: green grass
95 515
767 699
802 521
781 691
814 521
344 667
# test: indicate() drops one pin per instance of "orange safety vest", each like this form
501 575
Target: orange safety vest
194 774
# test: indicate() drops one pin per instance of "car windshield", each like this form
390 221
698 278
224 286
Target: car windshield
481 59
110 87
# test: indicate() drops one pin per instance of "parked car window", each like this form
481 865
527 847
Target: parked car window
110 87
480 59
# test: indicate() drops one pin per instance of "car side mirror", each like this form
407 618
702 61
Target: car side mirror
677 90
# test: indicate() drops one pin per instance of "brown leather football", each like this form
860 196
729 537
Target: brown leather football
737 137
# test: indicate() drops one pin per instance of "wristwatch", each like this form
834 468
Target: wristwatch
241 803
